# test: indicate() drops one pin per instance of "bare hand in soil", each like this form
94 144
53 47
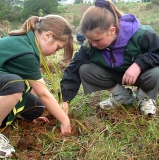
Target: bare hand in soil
65 130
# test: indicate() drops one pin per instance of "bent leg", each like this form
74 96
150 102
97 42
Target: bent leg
33 108
149 82
11 89
7 103
96 78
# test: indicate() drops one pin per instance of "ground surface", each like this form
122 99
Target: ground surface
43 140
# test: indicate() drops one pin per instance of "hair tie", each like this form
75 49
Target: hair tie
101 3
39 19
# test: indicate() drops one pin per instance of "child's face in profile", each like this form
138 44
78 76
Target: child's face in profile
49 45
53 47
101 39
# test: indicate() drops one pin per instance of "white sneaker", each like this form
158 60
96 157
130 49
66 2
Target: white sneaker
147 106
6 149
117 100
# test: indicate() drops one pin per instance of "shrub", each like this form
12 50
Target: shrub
155 2
149 6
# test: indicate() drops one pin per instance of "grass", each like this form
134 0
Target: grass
119 134
146 12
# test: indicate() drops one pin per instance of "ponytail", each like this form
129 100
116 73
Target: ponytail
28 25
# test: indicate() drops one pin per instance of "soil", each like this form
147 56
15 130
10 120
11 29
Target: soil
29 139
42 141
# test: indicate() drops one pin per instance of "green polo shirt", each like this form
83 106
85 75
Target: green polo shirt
19 55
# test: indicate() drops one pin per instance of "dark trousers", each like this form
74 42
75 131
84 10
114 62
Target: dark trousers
33 107
96 78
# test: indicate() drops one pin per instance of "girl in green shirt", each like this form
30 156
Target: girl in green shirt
20 69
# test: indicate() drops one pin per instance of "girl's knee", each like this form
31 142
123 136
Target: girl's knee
153 75
32 112
33 108
84 68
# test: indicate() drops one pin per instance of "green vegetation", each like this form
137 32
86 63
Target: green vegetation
18 10
14 12
122 133
39 8
146 12
119 134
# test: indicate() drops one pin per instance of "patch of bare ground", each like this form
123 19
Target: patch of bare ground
30 140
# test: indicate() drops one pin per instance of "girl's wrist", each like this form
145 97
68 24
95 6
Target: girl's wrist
65 120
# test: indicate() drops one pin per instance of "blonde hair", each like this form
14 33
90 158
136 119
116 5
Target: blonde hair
54 23
101 17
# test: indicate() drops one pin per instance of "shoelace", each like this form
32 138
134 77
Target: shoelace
147 103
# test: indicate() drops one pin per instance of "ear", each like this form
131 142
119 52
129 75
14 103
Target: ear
48 35
113 29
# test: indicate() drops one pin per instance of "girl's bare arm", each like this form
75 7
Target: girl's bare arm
51 104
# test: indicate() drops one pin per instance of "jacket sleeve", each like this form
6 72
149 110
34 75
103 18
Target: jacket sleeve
71 81
150 47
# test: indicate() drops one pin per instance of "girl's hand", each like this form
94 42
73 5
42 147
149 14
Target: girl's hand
131 74
66 128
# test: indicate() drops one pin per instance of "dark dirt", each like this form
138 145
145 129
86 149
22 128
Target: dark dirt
42 141
29 139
